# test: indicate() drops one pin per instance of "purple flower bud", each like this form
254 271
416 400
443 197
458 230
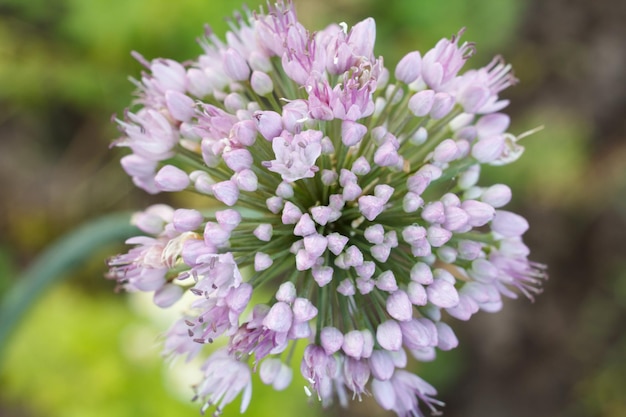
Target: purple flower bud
446 338
415 334
268 123
279 318
284 190
366 271
295 113
446 151
480 213
327 146
368 344
234 102
492 125
384 192
413 234
273 372
261 83
171 178
315 244
509 224
259 61
465 309
244 132
434 212
418 182
322 275
497 195
421 103
469 178
365 286
352 132
484 271
336 243
381 364
469 249
263 232
442 294
411 202
488 149
371 206
262 261
300 331
380 252
362 38
199 84
329 177
421 273
420 136
226 192
456 218
353 344
186 220
389 335
346 177
215 234
286 292
321 214
331 340
387 154
180 106
375 234
229 219
417 294
202 182
409 67
235 66
387 282
447 254
421 249
246 180
361 166
353 256
399 306
442 105
167 295
291 213
440 273
304 260
170 75
351 191
275 204
303 310
438 236
238 159
305 226
346 287
391 239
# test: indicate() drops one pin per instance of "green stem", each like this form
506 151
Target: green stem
55 263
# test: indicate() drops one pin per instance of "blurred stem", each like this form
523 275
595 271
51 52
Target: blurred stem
55 263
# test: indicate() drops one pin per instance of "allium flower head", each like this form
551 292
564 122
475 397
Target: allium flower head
351 197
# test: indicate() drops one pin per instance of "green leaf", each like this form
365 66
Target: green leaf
55 263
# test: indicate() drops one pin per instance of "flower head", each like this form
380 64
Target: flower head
352 198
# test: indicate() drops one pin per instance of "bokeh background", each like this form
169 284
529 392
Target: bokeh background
84 351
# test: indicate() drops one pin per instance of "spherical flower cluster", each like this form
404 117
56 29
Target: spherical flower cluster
349 194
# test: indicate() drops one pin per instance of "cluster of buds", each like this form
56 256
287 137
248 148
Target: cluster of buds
349 194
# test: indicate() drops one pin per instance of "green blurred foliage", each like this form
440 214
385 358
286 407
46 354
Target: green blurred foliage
555 158
92 356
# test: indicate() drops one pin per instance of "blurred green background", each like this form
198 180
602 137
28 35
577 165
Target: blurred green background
85 351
